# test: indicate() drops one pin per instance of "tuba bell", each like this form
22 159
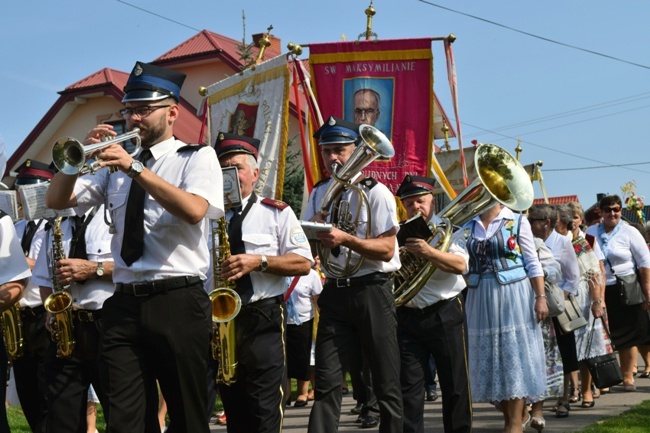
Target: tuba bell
501 179
374 144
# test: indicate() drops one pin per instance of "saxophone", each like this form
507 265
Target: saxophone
59 303
226 304
12 331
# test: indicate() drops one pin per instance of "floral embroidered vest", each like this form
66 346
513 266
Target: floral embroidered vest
499 254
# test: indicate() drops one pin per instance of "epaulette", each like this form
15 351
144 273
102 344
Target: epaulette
275 203
190 148
369 182
322 181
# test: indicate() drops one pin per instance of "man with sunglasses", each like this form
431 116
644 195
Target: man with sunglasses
157 324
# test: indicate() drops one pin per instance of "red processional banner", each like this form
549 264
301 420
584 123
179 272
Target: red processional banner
387 84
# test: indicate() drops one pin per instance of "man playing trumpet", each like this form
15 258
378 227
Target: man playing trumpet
433 322
356 310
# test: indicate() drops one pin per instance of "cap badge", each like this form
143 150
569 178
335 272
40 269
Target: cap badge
137 71
331 122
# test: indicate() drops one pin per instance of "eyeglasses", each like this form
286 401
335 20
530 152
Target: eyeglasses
368 112
142 111
611 209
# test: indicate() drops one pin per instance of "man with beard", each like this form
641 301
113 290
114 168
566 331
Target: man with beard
157 324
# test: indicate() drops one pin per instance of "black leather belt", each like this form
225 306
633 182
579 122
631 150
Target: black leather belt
265 302
87 315
365 280
148 288
429 309
32 312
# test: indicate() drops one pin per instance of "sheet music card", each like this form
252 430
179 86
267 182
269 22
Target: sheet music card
9 204
33 200
231 188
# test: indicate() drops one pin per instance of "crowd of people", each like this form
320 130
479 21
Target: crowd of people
141 264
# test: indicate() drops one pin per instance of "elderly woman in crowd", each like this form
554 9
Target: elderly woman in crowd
505 302
625 251
591 296
543 219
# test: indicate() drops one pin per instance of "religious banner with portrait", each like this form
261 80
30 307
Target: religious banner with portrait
255 103
387 84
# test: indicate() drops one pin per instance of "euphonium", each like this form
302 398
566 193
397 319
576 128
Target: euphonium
226 304
501 179
373 145
59 303
12 330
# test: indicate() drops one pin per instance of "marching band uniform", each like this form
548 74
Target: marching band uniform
68 379
433 323
357 311
13 268
254 402
29 369
157 324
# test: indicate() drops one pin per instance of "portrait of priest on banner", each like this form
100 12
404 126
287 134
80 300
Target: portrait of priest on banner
370 101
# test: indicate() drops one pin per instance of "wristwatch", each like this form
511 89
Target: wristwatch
100 269
136 168
264 264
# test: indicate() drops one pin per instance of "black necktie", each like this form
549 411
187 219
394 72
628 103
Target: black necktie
244 284
28 236
133 236
78 242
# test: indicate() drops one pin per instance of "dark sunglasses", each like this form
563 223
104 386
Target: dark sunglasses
616 209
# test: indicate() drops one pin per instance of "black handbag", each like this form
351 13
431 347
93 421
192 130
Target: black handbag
629 287
605 369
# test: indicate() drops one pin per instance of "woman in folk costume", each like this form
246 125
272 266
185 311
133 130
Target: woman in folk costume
591 299
505 303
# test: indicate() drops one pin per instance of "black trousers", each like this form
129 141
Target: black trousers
255 402
165 337
350 315
438 330
4 423
68 380
29 370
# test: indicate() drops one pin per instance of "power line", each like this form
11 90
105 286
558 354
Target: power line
157 15
598 167
607 56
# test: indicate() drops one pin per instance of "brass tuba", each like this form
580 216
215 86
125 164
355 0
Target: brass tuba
374 144
59 303
501 179
226 304
12 330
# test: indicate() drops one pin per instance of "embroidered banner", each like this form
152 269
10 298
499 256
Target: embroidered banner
256 104
387 84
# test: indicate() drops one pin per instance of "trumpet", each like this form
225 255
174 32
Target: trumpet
70 156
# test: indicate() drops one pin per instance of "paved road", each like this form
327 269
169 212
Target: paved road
486 418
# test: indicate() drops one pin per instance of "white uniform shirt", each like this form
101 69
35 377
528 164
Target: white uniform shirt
273 232
525 239
92 294
625 249
303 294
171 247
13 266
32 294
383 214
443 285
565 255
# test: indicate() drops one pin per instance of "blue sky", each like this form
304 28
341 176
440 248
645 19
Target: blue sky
584 115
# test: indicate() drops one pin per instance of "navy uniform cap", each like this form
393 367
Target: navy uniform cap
415 185
337 131
149 82
231 143
31 172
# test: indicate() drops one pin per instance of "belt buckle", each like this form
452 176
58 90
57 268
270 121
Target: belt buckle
142 285
85 316
342 282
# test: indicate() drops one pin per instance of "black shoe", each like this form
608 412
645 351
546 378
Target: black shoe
432 395
360 418
357 409
370 421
